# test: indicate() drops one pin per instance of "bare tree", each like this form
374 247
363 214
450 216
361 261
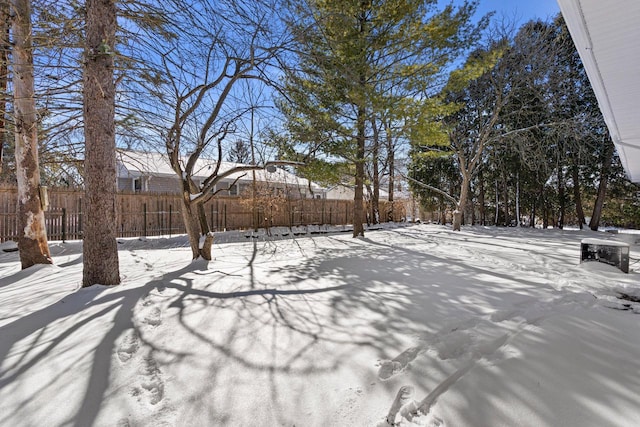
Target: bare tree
100 251
32 241
197 102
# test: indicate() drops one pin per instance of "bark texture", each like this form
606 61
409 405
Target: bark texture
602 187
32 240
5 25
100 251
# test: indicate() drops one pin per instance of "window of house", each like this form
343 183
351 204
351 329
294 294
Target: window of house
137 185
233 190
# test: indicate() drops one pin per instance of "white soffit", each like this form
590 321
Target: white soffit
607 36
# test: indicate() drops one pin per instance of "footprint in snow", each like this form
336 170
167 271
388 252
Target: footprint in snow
128 345
389 368
403 396
153 317
151 381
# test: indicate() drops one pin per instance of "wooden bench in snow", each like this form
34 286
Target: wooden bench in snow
607 251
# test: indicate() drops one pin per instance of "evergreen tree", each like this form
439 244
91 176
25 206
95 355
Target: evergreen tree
349 54
100 251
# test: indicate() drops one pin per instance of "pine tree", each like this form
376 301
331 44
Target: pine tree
100 251
350 54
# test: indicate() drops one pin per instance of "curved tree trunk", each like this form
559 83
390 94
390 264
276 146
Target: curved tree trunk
192 217
32 239
602 188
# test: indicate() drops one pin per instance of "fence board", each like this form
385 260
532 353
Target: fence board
146 214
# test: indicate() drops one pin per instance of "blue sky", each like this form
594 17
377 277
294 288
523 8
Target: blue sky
521 10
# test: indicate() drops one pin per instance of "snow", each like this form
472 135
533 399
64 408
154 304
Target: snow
603 242
484 327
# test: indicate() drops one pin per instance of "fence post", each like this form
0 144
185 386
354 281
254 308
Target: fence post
225 217
217 214
80 218
170 220
64 224
144 214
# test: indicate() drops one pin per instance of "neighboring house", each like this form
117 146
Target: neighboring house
148 172
347 192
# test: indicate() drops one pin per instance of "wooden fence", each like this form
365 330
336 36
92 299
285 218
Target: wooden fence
142 214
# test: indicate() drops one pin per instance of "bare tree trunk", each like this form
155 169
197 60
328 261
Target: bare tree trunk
562 197
602 188
375 196
32 239
5 48
505 189
358 208
518 200
577 195
545 210
464 194
392 170
495 220
532 220
192 217
191 225
100 251
481 209
469 207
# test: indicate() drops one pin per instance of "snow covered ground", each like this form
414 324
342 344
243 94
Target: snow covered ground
485 327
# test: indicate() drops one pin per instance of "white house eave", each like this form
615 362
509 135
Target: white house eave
606 35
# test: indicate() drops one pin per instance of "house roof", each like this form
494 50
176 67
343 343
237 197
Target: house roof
606 34
138 163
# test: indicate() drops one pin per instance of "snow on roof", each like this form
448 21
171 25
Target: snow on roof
137 163
606 35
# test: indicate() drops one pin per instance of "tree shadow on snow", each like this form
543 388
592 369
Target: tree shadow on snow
360 293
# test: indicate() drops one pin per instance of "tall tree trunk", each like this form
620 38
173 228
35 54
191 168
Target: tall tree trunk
32 239
545 209
375 196
100 251
392 171
464 194
505 189
361 118
532 220
496 218
602 187
469 207
577 195
518 200
5 48
562 197
481 209
358 205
